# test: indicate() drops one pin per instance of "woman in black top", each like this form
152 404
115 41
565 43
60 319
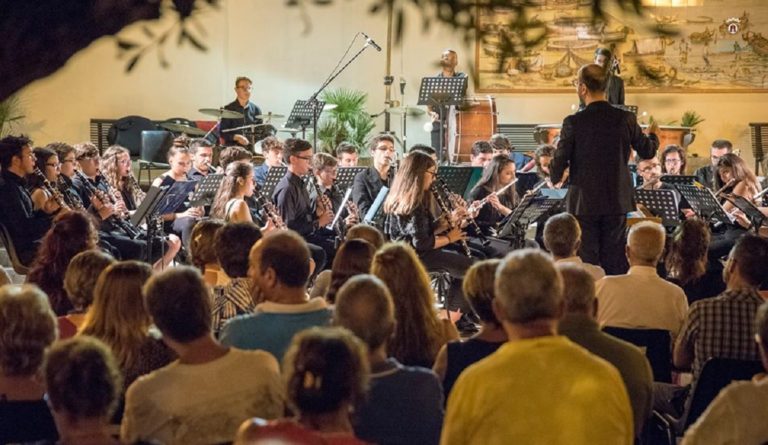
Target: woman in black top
687 263
409 218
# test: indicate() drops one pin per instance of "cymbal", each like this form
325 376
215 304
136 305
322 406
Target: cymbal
244 127
410 111
222 113
181 128
269 115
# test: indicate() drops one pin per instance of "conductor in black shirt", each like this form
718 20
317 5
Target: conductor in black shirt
249 110
25 226
595 144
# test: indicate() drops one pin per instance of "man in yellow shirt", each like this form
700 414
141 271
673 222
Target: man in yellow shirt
539 388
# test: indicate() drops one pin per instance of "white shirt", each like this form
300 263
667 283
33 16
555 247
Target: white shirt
203 404
641 300
597 272
736 416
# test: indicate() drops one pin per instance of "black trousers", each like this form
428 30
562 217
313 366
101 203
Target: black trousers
603 238
456 264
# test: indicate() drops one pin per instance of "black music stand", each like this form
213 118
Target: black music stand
678 179
528 212
526 181
206 190
274 176
754 214
148 211
456 177
704 203
440 92
303 115
661 203
345 176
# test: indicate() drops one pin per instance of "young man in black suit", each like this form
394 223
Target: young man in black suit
595 144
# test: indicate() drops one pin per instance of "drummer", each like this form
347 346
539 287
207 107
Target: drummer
244 106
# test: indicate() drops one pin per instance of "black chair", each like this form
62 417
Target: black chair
154 151
126 132
18 266
716 375
658 348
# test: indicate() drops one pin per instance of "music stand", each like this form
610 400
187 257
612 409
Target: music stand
175 196
526 181
704 203
341 208
529 211
678 179
661 203
206 190
303 115
147 210
345 176
440 92
373 215
274 176
754 214
455 177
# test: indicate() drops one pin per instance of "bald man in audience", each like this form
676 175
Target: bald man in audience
279 268
404 404
641 299
562 237
538 387
580 326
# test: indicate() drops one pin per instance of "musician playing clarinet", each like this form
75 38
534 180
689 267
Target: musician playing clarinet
409 219
325 169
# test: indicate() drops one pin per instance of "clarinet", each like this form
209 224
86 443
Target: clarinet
321 198
138 193
446 210
480 235
269 208
73 201
58 198
123 224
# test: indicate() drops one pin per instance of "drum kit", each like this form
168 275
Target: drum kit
255 131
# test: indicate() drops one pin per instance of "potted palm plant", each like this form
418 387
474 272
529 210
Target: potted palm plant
347 121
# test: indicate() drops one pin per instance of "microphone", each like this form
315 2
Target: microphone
402 86
369 41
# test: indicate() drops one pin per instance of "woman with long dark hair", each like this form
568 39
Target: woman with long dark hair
229 203
47 162
687 263
71 233
354 257
409 219
731 167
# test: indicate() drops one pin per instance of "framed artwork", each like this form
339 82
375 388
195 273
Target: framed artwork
706 46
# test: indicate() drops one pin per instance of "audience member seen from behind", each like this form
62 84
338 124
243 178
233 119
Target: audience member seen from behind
640 299
84 384
580 326
27 329
366 232
203 252
119 319
562 237
538 387
738 413
79 282
354 257
233 244
279 268
70 234
404 403
419 333
457 355
687 263
202 397
326 375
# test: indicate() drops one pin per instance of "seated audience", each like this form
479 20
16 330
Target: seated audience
721 327
119 319
279 267
455 356
419 333
738 413
366 232
71 233
640 299
538 387
27 329
202 397
79 282
404 404
84 384
580 326
326 374
687 261
25 226
202 250
354 257
562 237
232 245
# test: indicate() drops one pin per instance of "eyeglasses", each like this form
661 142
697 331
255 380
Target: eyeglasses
386 148
67 161
305 158
54 165
434 174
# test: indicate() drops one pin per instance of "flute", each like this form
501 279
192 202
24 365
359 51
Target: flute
477 205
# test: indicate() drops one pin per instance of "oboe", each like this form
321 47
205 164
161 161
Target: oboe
445 208
51 190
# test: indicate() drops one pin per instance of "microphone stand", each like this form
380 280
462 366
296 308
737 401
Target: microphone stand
312 101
